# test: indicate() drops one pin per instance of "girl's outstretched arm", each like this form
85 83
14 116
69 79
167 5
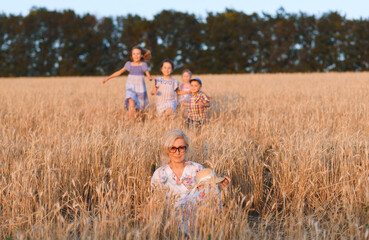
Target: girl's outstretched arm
184 103
154 91
148 75
116 74
180 92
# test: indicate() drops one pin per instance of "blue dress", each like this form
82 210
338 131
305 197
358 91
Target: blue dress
135 86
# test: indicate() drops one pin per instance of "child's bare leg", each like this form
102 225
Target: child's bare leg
131 110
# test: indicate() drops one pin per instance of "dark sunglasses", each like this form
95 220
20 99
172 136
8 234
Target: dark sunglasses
180 149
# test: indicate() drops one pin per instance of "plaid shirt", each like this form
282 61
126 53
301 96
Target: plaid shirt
195 111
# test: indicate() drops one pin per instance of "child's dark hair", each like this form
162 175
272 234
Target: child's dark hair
146 54
168 61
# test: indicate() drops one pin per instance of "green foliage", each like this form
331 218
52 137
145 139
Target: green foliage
177 36
49 43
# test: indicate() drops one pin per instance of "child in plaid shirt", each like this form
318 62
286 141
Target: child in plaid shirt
196 114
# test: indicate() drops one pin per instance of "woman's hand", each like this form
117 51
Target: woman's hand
225 183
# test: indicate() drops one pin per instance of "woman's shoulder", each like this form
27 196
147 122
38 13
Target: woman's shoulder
160 176
160 170
195 165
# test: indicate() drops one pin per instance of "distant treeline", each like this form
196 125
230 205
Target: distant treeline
49 43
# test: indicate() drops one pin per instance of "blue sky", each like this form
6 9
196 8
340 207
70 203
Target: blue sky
353 9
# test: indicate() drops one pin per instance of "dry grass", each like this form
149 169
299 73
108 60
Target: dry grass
295 145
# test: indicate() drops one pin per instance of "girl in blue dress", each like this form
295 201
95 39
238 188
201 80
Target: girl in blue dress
136 93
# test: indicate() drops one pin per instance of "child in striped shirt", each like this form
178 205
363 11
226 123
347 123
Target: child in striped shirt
199 101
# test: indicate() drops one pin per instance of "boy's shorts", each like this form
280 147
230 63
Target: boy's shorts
192 123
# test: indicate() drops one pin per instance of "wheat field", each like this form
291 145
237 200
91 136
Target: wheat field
296 147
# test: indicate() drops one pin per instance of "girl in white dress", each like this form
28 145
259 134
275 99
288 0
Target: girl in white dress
166 90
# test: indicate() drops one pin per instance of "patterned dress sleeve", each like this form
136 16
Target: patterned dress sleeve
196 167
199 167
176 84
159 178
128 66
144 67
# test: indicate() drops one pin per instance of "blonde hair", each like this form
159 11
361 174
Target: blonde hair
187 71
168 141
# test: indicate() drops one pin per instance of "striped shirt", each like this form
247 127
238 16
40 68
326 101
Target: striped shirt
195 111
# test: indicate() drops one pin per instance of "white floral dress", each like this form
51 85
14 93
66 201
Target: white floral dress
165 177
166 96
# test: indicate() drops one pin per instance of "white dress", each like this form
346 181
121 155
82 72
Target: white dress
165 177
166 96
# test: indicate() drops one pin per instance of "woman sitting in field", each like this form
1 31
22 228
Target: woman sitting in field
178 175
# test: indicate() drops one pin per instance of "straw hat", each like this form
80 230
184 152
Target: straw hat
207 174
